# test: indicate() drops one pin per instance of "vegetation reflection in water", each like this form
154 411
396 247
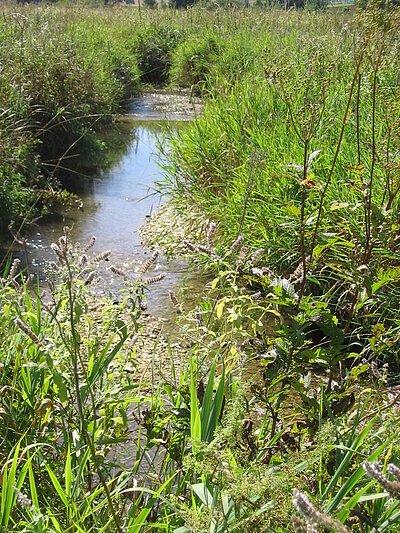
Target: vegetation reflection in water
117 196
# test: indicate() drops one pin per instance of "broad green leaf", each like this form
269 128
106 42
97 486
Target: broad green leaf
204 494
195 418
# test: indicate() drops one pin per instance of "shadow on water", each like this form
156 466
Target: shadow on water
117 197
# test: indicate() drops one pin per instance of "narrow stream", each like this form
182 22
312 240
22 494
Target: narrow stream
116 202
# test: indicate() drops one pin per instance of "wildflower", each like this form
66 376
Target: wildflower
14 269
198 317
394 470
18 322
155 279
149 263
23 500
192 247
63 244
313 517
119 272
236 243
256 255
298 273
58 251
173 298
241 257
299 525
90 278
90 244
392 487
204 249
102 257
211 232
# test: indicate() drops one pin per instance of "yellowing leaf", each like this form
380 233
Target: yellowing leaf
293 210
357 169
220 308
338 205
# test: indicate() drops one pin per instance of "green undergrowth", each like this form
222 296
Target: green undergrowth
302 163
67 70
297 167
283 415
88 445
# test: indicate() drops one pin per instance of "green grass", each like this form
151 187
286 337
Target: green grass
283 157
285 385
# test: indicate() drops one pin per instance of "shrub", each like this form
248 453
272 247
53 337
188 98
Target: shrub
194 60
154 47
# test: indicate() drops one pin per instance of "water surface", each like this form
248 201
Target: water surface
117 201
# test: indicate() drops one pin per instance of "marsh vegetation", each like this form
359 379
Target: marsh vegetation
279 410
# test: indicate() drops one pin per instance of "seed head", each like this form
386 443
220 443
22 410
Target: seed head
205 249
90 278
192 247
394 470
149 263
241 257
18 322
375 471
237 242
314 517
14 269
102 257
154 279
173 298
23 500
211 232
83 260
256 255
58 251
90 244
63 244
119 272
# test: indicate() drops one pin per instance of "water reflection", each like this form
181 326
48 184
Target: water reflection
117 197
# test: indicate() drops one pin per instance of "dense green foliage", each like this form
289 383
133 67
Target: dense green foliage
66 71
295 160
292 366
302 161
61 77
